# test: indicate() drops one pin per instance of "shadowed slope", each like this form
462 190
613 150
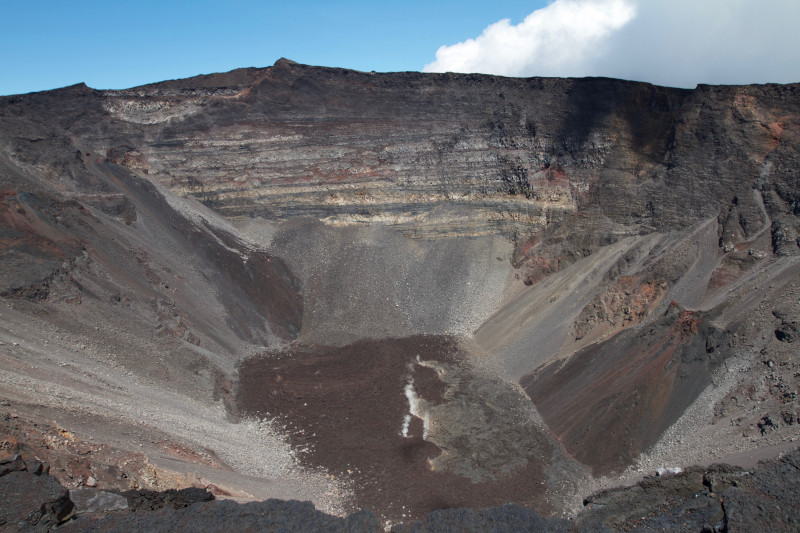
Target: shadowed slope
611 401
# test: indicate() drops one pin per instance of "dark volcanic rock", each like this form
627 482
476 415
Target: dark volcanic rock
149 500
270 515
493 520
789 330
767 499
721 498
12 462
32 503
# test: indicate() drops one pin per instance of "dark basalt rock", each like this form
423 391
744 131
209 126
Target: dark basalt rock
149 500
11 462
270 515
789 329
32 503
493 520
719 498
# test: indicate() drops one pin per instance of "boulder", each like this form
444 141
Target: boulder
97 501
32 503
11 462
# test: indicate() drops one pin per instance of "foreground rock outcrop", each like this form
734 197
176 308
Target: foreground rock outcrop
721 498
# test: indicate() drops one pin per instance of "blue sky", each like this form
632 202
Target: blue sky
108 44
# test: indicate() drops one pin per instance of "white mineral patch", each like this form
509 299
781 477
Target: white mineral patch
415 409
406 422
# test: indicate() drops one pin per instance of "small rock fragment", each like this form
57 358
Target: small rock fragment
97 501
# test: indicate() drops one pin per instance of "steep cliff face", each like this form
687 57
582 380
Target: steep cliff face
447 154
627 254
494 154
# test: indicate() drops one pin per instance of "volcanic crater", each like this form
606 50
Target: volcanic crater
401 292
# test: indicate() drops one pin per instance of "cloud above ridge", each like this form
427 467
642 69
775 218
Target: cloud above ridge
676 42
554 40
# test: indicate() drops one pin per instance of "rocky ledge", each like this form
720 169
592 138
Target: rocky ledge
718 498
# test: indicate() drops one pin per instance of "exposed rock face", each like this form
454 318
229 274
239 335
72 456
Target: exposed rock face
32 503
719 498
492 154
625 254
506 518
455 154
271 515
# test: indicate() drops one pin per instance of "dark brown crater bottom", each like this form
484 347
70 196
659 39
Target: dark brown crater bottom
344 408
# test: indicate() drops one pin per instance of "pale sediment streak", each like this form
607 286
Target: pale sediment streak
406 422
414 409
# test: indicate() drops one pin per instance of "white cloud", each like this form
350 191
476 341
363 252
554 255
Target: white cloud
554 41
669 42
